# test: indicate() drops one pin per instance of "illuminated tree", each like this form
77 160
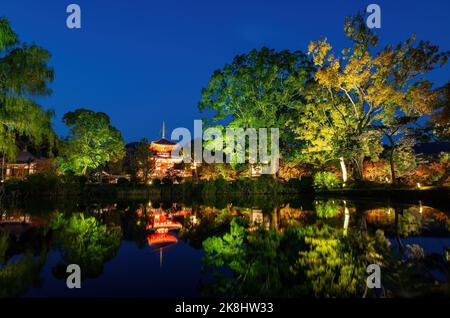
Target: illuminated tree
441 116
372 89
260 89
441 125
24 74
92 142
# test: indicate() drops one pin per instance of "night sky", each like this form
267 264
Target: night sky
143 62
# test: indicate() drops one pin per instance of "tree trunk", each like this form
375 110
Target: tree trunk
392 166
391 159
344 169
358 168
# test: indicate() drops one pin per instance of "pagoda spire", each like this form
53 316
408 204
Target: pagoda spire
163 130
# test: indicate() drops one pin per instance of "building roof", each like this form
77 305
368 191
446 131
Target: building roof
163 145
25 157
164 142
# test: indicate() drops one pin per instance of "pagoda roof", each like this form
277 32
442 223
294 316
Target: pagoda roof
164 142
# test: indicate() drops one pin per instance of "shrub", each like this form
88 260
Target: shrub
326 180
40 183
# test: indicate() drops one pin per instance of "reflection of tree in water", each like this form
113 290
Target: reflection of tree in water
328 209
409 223
211 221
316 259
334 264
4 237
253 260
84 241
18 276
299 261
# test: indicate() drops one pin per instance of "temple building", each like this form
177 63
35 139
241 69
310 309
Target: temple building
163 162
24 165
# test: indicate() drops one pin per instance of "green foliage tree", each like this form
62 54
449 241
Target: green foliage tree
405 160
92 142
260 89
441 116
441 124
326 133
24 74
372 89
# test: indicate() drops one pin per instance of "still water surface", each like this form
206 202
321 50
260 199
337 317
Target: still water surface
301 247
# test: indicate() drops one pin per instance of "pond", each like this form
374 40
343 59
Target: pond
252 246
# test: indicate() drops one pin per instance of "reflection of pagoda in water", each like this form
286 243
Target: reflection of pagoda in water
161 222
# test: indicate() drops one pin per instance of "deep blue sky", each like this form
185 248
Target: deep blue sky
143 62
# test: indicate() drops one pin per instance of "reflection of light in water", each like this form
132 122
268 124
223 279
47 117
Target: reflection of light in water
162 239
346 217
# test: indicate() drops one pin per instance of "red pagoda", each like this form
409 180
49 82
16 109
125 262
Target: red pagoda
164 163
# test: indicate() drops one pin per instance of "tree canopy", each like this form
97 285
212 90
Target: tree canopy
92 142
259 89
359 88
24 74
